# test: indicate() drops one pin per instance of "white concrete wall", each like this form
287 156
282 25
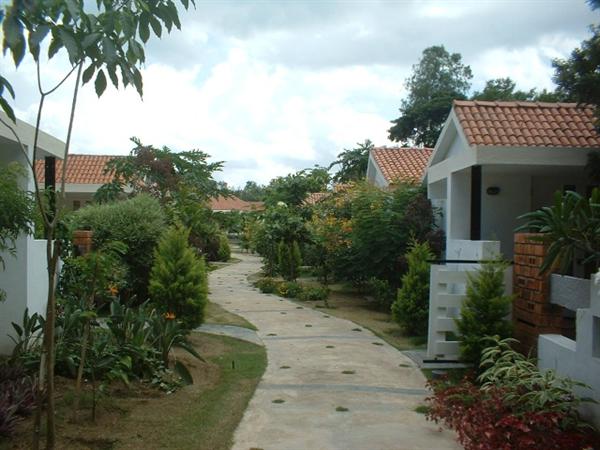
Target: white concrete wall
499 212
37 276
374 175
458 208
13 280
579 360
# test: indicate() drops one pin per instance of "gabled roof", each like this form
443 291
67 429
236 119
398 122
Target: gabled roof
527 124
81 169
402 163
234 203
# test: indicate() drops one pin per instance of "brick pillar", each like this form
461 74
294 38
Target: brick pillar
533 314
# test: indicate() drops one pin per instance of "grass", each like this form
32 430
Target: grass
347 303
202 416
216 265
215 314
341 409
210 421
422 409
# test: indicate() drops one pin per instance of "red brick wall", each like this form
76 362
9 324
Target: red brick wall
533 314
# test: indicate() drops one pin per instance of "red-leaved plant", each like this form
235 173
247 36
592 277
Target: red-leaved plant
516 407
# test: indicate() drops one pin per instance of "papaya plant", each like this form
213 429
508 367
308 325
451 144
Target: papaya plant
571 226
107 38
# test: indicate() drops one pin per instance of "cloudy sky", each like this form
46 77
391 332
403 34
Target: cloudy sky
271 87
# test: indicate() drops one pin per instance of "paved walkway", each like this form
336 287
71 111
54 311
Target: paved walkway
329 383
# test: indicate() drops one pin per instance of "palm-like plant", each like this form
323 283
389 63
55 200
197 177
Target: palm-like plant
571 227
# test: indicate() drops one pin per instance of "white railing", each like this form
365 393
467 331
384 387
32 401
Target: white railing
447 288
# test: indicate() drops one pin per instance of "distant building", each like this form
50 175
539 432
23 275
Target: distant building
233 203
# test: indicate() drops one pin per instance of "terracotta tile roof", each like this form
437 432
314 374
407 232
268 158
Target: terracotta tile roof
402 164
527 124
234 203
81 169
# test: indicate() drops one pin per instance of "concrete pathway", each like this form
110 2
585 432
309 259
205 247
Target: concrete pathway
329 384
242 333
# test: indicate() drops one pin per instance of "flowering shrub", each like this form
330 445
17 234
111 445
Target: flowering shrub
289 289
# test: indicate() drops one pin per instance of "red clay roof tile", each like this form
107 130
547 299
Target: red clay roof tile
527 124
81 169
402 164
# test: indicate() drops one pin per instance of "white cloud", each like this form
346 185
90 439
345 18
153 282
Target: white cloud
277 87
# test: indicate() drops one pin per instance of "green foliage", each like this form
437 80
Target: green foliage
108 35
484 312
277 223
267 285
578 77
164 173
571 227
352 163
381 291
28 335
526 388
98 275
289 289
224 253
251 192
438 79
289 260
411 308
16 206
137 223
314 293
294 188
178 282
503 89
382 225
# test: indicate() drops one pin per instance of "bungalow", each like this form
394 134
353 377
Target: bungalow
390 165
24 279
493 162
85 174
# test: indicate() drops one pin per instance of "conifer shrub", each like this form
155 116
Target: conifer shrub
289 260
484 312
224 252
178 282
411 308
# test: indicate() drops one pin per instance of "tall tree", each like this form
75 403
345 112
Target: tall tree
578 77
295 187
505 89
437 79
163 173
251 192
103 37
352 163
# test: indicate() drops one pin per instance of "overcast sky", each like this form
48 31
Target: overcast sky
271 87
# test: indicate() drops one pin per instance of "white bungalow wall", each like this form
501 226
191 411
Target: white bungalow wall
24 279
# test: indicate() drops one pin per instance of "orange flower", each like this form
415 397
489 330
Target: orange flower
113 290
170 315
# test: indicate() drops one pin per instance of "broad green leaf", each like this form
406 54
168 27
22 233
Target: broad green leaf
110 52
100 83
73 8
183 372
156 26
88 73
5 84
70 43
35 38
90 39
137 82
144 29
112 74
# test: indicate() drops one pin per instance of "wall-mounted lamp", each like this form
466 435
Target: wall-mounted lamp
493 190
